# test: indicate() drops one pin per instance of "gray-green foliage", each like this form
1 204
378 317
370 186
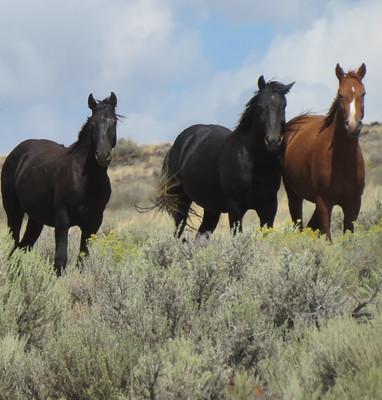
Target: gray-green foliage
275 312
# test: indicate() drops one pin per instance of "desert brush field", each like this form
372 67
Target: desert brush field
269 314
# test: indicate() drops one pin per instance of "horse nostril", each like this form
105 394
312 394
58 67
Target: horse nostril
272 142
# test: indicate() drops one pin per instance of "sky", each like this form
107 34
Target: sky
174 63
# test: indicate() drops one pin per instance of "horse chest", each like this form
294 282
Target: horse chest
251 180
89 199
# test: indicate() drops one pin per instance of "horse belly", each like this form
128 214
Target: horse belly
38 205
297 174
35 195
204 191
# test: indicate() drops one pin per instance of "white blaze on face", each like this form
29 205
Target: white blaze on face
352 120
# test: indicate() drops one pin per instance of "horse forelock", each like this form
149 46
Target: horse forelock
354 75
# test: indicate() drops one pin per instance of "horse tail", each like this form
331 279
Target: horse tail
168 187
170 197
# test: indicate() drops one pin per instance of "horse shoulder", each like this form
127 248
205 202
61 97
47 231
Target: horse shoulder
235 166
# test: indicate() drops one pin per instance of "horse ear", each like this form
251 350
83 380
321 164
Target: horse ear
113 99
362 71
261 82
288 87
339 72
91 102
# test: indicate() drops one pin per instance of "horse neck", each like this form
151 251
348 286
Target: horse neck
344 146
253 141
83 150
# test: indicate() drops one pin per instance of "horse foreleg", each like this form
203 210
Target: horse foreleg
351 212
324 210
235 216
267 213
87 230
61 238
295 208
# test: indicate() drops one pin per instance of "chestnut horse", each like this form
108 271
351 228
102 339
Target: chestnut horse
323 162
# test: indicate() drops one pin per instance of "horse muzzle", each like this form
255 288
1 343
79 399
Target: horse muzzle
273 145
353 131
103 160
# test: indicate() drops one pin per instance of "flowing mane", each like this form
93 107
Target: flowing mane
330 116
83 136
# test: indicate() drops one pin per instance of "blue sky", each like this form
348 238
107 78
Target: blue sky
173 63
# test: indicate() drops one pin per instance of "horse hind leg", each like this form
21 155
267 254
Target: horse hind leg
180 214
324 210
209 223
32 233
15 215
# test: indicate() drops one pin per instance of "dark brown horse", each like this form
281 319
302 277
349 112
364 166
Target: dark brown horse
323 162
61 187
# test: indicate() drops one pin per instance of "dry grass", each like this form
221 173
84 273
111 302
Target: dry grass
136 182
135 173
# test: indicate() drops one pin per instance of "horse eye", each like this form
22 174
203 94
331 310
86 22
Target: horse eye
363 94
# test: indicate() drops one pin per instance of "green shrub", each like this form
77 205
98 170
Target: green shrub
275 313
126 150
32 298
329 363
87 360
181 371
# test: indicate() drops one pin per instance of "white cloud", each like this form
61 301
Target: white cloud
52 56
56 55
289 13
349 34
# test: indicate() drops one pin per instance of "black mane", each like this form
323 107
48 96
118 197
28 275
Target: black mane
246 119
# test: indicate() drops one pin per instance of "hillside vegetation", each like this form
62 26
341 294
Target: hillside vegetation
269 314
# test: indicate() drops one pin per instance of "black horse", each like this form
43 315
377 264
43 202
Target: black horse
61 187
224 171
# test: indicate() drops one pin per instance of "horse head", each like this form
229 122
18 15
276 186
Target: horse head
103 123
271 104
350 98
